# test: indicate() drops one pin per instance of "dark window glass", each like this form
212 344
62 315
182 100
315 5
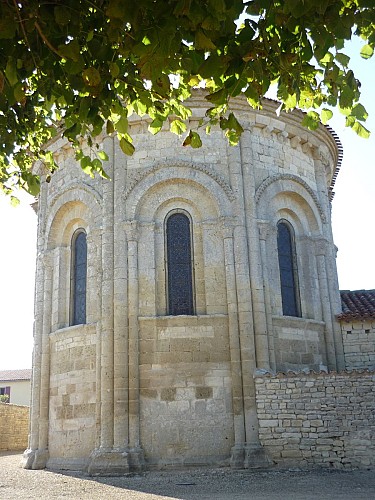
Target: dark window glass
180 280
79 272
288 270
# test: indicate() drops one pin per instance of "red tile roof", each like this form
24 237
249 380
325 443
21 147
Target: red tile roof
8 375
357 304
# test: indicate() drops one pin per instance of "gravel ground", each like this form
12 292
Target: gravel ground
213 484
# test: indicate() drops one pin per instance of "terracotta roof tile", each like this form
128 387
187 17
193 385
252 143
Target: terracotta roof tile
357 304
8 375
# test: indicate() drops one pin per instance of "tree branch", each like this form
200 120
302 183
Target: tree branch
46 41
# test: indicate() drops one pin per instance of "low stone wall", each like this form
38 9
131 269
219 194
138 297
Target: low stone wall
359 343
318 419
14 427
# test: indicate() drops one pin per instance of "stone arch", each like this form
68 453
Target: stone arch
73 208
289 183
189 175
287 196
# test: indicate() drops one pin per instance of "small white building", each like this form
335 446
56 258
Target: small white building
17 385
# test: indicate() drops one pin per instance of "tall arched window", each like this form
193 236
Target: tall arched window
179 265
288 269
78 278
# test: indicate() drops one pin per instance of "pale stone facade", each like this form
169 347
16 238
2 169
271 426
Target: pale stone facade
135 387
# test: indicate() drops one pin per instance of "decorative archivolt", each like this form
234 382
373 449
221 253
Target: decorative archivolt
182 164
294 178
92 194
72 193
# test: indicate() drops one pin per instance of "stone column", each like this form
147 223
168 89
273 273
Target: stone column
121 339
264 230
237 454
256 277
29 454
36 381
320 251
41 453
106 459
321 160
136 457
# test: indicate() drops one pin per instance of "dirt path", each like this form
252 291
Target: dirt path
213 484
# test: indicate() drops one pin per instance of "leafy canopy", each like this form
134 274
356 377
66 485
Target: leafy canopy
89 64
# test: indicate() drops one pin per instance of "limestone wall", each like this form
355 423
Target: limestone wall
14 427
359 343
186 396
72 405
318 419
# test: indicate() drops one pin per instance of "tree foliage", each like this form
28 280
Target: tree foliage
90 64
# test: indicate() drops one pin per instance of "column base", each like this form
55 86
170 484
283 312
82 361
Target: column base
256 457
108 463
34 459
136 459
28 458
237 457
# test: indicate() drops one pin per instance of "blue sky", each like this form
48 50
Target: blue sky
353 212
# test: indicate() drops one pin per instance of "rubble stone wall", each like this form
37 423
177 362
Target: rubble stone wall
14 427
321 419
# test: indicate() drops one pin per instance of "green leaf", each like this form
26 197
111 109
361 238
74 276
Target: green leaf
326 115
202 42
114 69
70 50
156 125
193 140
91 77
14 201
366 52
234 124
343 59
359 112
178 127
311 120
360 130
103 155
126 146
109 127
122 125
219 97
11 72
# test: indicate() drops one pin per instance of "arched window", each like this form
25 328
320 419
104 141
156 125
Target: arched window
78 278
179 265
288 269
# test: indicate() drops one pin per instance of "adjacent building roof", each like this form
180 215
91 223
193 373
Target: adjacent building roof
357 304
9 375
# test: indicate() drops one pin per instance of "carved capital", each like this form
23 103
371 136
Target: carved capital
227 226
321 246
131 229
264 227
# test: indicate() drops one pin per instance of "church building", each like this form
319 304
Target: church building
162 292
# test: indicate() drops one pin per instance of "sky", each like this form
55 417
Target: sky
353 219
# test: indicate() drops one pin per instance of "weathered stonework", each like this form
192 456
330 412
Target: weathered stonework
14 427
136 387
359 343
325 420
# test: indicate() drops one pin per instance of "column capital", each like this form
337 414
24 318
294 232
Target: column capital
131 229
227 226
321 246
265 228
